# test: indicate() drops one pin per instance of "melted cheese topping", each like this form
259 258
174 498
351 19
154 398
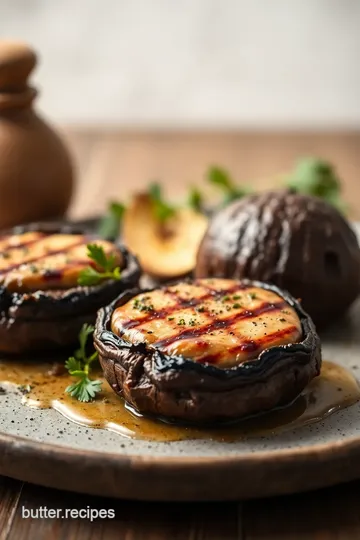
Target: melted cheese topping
215 321
35 261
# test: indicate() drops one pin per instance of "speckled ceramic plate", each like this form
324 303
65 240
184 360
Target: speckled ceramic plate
43 447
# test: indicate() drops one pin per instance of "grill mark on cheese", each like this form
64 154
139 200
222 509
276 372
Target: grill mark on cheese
7 247
181 303
211 293
39 261
57 274
49 253
222 324
254 345
226 326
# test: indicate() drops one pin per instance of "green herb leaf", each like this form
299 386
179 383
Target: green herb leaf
162 210
116 273
195 200
90 276
97 254
84 389
72 364
25 388
316 177
86 331
110 224
222 179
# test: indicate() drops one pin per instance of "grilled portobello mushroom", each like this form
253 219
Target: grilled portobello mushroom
207 350
41 304
299 243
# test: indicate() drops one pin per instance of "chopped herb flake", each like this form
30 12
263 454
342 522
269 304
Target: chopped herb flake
141 306
25 388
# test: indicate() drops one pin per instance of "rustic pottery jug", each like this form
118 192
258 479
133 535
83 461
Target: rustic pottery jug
36 176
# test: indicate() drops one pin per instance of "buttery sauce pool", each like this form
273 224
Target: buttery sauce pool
42 387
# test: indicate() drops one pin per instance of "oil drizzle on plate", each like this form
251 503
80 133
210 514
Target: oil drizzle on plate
43 387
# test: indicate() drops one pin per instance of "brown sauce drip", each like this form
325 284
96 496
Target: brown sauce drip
336 388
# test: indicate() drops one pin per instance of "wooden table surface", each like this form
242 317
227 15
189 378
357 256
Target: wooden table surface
110 165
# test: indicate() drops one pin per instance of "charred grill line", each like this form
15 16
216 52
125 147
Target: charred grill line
9 247
220 323
193 302
5 271
254 345
57 273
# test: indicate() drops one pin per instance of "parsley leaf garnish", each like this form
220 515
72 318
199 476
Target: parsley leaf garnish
196 200
316 177
110 224
105 263
162 210
84 389
221 178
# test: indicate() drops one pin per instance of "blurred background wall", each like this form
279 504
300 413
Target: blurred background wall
194 63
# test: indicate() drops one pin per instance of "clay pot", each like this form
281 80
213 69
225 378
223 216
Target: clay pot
36 176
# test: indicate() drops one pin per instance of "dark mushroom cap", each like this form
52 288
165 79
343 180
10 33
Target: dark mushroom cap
299 243
177 388
52 318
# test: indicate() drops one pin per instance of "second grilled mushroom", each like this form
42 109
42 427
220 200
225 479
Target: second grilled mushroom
207 350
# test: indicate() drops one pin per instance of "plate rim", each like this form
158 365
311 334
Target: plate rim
151 477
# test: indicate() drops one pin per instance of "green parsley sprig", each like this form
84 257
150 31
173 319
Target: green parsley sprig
221 178
162 209
79 366
314 176
106 265
196 200
110 224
